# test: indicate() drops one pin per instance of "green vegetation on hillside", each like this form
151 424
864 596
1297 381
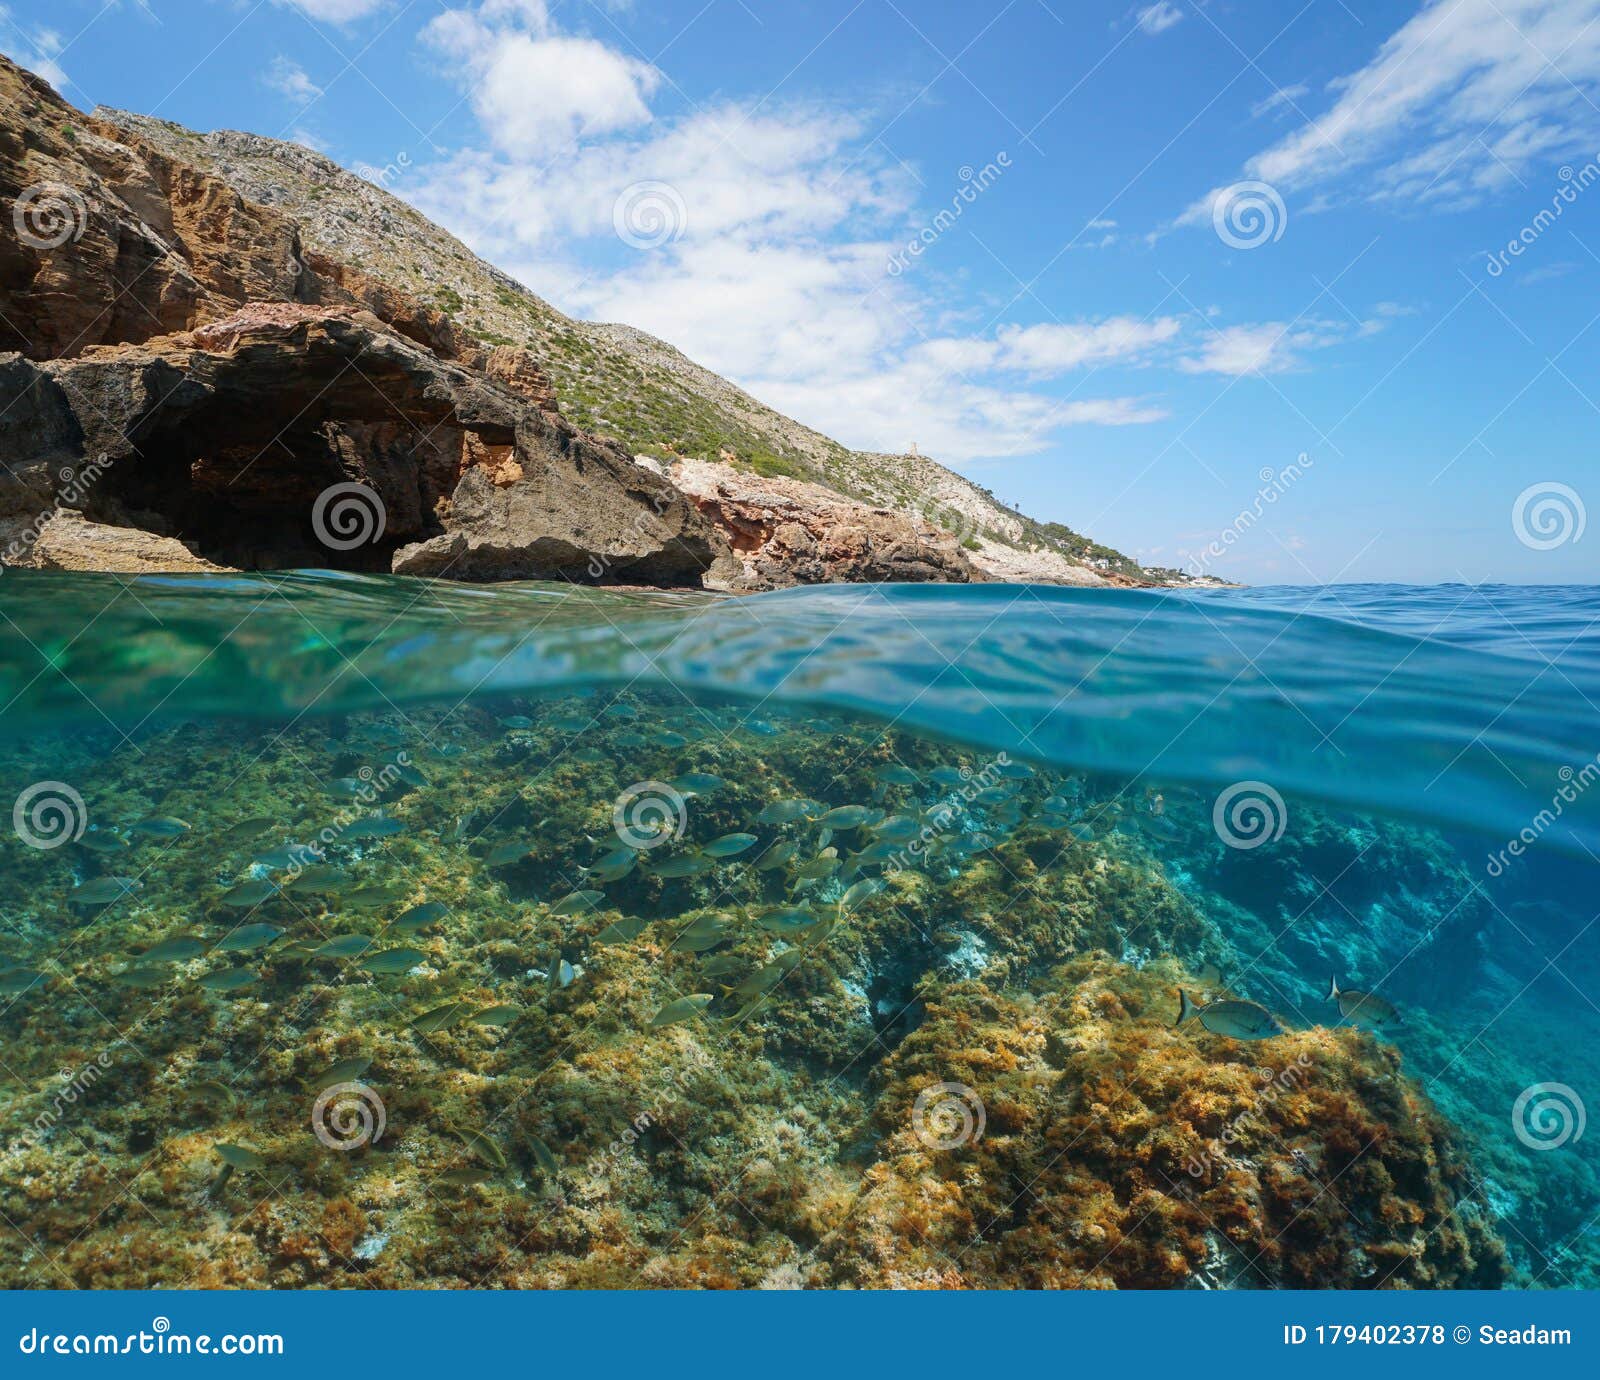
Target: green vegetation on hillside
608 379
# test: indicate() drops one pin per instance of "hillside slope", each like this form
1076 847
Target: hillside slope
614 379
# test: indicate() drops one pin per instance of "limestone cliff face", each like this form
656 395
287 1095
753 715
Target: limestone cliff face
108 243
788 532
182 367
185 355
228 437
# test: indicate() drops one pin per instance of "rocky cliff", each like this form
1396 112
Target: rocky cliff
223 351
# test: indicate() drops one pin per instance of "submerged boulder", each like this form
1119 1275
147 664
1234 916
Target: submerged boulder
1080 1141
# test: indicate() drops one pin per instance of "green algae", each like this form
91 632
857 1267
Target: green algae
839 977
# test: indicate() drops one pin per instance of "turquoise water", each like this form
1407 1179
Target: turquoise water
1398 788
1454 705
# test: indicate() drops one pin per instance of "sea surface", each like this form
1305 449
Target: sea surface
364 932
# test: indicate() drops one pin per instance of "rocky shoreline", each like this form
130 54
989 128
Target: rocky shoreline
189 386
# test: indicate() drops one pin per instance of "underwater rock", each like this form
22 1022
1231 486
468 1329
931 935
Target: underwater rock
951 1082
1355 898
1081 1141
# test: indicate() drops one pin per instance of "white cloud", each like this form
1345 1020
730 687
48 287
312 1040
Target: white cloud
336 11
1108 235
818 333
953 418
289 79
1456 104
1275 347
756 308
1282 97
1055 348
1159 17
768 286
1264 348
534 90
1546 272
773 270
35 51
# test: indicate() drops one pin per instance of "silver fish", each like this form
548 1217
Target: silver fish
1364 1009
684 1009
248 937
229 980
345 1071
343 946
162 827
393 961
374 827
179 949
250 893
787 811
103 891
849 817
577 903
142 977
419 917
1239 1020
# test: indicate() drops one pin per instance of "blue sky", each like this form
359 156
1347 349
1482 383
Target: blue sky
1198 238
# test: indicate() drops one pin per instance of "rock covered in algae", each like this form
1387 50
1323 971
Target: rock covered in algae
1094 1145
782 1134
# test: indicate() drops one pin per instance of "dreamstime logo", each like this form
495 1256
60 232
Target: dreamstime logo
348 1116
974 183
643 528
1572 183
1548 515
48 814
1273 1083
649 214
346 516
390 172
948 518
649 814
49 215
1574 782
1249 814
679 1081
944 817
1547 1115
367 789
1249 214
76 1084
75 484
947 1116
1274 484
